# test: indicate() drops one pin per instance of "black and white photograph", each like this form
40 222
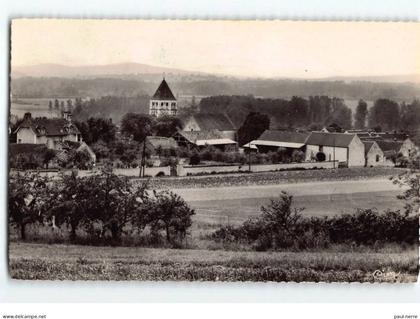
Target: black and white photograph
213 150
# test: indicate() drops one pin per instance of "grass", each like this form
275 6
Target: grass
270 178
70 262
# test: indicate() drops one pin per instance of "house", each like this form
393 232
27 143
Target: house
210 122
347 149
47 131
273 140
163 102
200 139
374 156
394 148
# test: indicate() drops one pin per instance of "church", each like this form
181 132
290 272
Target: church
163 102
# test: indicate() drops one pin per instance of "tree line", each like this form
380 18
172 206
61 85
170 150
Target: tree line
204 85
314 112
104 206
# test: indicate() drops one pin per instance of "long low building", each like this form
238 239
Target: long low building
199 139
345 148
272 140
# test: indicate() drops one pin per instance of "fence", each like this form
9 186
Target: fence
215 169
185 170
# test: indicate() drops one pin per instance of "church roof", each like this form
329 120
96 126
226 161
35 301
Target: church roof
164 92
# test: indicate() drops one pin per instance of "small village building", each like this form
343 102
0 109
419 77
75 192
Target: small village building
374 156
274 140
347 149
163 102
160 145
48 131
201 139
211 122
394 148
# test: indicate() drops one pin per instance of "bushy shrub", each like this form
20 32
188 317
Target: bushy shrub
282 226
195 159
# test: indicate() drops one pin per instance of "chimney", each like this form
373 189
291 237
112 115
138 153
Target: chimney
67 116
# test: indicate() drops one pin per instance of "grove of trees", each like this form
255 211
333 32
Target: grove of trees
294 113
102 207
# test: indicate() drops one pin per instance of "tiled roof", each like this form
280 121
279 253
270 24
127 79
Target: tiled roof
368 145
284 136
389 145
330 139
164 92
163 142
50 127
209 121
193 136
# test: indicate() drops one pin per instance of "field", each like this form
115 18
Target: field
69 262
37 106
221 200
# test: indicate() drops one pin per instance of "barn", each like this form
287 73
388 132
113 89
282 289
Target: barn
345 148
274 140
374 156
200 139
211 122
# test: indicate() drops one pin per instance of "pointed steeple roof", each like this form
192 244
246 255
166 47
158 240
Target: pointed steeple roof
164 92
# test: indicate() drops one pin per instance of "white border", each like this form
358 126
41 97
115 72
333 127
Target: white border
36 291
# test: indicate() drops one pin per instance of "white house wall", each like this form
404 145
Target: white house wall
356 153
331 153
26 136
375 153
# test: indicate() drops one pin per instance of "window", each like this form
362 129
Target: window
378 158
321 148
20 140
161 103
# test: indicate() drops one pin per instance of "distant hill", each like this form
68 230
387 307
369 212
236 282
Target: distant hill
403 78
127 69
59 70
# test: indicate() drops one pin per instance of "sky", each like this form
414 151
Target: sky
241 48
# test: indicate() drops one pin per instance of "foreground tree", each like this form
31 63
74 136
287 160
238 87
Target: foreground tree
410 180
169 212
30 197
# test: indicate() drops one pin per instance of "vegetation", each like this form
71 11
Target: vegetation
281 225
104 206
70 262
298 112
199 85
361 115
254 125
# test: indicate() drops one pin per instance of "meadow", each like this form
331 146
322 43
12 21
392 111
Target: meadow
71 262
